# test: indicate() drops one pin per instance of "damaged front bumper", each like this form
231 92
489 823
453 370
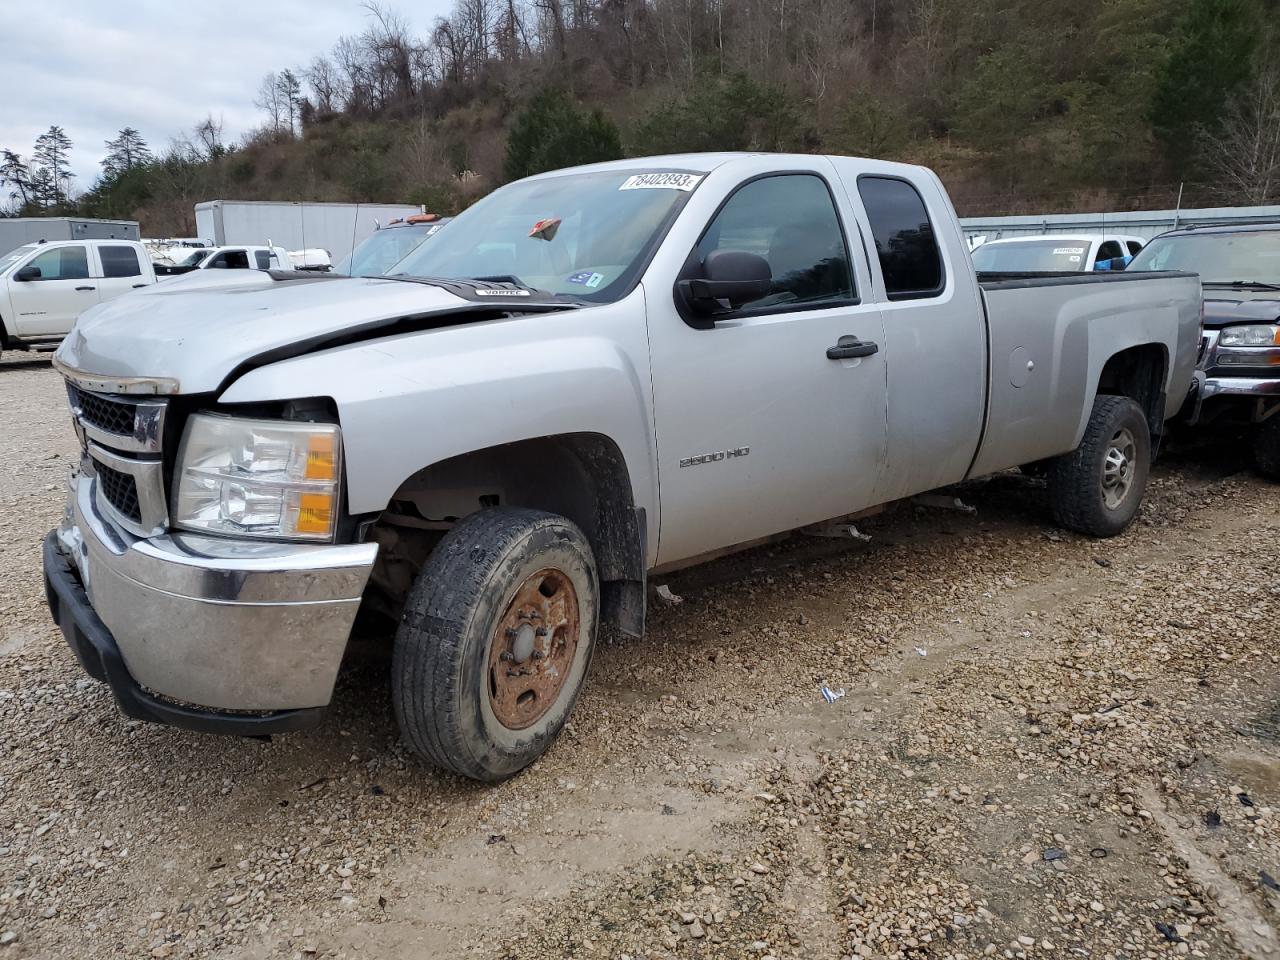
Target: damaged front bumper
206 633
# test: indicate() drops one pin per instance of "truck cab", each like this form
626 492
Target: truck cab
45 286
385 247
1056 253
237 257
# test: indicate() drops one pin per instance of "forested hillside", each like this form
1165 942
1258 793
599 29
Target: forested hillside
1021 105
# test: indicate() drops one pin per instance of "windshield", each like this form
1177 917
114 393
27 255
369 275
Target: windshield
1032 256
1217 257
585 235
384 248
192 259
13 256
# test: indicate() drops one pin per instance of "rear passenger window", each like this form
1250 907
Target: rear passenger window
263 259
1134 248
119 261
791 221
1109 250
905 243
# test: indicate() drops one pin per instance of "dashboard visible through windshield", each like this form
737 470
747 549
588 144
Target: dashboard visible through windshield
583 235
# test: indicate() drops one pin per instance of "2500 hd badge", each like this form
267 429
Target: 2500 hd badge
713 457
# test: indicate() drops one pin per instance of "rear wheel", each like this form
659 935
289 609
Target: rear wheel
1097 489
495 641
1266 448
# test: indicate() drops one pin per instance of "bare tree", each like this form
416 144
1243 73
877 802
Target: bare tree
1243 155
269 101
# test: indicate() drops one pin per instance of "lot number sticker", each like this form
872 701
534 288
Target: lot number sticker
661 181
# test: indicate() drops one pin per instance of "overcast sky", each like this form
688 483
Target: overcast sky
93 67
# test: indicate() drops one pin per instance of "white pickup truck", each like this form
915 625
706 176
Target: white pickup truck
45 286
606 371
1056 252
238 257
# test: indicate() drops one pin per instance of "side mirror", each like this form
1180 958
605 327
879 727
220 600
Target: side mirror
28 273
732 276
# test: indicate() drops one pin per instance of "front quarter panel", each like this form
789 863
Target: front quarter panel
411 401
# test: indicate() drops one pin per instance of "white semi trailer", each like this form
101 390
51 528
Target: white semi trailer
335 227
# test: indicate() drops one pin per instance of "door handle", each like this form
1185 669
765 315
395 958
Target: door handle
138 286
86 288
851 348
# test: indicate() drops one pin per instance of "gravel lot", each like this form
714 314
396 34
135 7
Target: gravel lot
1048 747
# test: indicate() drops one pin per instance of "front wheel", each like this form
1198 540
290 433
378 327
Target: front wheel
1266 448
495 641
1097 489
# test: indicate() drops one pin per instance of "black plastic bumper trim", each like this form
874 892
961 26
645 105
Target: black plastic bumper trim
96 649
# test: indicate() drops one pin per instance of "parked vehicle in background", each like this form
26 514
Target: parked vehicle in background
470 449
335 227
16 231
1056 253
313 258
1238 378
45 286
227 258
388 245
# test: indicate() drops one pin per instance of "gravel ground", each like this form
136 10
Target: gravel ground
1048 746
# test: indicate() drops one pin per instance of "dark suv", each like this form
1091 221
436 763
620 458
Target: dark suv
1238 375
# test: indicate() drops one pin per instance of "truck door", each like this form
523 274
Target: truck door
934 329
121 270
767 419
50 301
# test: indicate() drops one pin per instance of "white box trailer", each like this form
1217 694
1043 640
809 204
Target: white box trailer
336 227
15 231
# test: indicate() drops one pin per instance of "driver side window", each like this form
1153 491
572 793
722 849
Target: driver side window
790 220
63 263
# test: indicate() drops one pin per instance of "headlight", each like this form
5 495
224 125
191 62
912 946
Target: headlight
258 478
1250 335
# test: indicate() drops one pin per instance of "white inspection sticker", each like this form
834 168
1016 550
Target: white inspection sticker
1060 251
661 181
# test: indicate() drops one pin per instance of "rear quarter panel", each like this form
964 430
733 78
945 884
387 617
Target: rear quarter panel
1049 342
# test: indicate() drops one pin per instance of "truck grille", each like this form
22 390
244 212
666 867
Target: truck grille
123 436
120 490
105 413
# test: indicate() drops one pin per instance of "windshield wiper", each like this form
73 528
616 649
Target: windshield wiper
1242 284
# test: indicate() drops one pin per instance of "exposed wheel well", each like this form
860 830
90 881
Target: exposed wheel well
581 476
1139 373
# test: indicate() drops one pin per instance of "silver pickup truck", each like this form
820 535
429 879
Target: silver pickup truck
589 375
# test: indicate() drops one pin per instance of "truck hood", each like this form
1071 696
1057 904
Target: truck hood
1222 309
195 338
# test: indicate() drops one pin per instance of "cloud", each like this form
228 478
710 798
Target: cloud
159 65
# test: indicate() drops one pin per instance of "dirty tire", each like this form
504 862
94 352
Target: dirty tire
441 666
1266 448
1078 497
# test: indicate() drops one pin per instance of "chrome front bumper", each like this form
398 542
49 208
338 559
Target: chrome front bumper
223 625
1239 387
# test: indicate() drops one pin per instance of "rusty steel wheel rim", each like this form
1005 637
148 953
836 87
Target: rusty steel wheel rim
532 650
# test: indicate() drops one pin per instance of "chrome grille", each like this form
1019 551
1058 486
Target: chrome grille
122 423
121 491
122 438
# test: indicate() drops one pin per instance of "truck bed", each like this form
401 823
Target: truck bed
1049 336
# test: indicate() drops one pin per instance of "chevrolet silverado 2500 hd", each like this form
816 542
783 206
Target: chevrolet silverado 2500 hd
605 371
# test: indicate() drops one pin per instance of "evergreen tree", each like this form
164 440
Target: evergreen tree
126 151
15 172
1210 61
552 132
51 154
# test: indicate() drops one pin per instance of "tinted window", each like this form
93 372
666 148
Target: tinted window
230 259
1110 250
905 243
63 263
1134 247
791 221
119 261
263 258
